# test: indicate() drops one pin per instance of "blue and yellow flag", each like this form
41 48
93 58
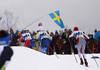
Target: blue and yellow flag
56 18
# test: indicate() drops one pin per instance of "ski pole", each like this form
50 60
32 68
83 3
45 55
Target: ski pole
72 51
92 55
54 52
94 58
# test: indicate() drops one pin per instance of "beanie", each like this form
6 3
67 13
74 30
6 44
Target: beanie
95 30
75 28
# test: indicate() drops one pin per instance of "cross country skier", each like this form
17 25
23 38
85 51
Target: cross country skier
80 43
44 37
5 50
28 39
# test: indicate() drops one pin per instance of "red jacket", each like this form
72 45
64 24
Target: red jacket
60 43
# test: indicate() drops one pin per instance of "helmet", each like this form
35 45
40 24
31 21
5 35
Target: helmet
75 28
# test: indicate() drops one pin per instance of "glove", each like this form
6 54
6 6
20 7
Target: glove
75 46
64 42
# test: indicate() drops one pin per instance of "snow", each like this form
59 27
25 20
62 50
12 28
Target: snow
29 59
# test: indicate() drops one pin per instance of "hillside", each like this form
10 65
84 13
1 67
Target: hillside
28 59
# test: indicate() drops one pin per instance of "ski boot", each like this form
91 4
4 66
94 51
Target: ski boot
86 63
81 61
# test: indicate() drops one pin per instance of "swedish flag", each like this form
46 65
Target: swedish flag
56 18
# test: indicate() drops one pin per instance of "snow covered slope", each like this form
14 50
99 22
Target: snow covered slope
28 59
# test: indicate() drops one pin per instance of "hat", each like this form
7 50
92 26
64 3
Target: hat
40 26
17 30
51 33
75 28
95 30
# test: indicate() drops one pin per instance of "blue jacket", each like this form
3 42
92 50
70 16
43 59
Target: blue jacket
96 35
5 41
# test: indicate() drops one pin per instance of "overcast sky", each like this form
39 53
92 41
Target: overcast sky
84 14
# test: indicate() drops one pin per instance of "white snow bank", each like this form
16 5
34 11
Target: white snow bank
29 59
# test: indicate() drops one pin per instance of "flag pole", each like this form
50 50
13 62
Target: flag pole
34 22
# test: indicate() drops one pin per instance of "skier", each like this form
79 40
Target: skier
5 51
28 39
44 37
80 43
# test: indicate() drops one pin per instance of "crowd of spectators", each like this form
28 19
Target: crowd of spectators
61 44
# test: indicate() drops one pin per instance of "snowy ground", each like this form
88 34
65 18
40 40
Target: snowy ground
28 59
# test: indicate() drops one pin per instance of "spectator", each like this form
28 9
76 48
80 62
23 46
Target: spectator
96 35
47 31
91 44
60 45
69 32
11 34
51 34
64 35
98 44
55 38
14 40
60 32
67 47
18 32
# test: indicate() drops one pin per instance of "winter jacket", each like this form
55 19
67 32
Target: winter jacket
60 43
96 35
